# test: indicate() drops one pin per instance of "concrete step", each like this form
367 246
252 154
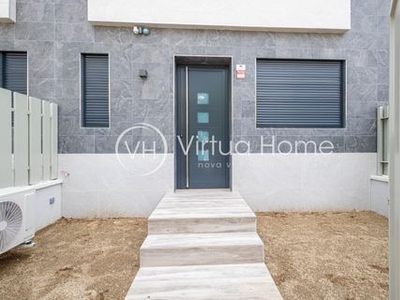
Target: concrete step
219 282
209 193
201 249
201 215
202 244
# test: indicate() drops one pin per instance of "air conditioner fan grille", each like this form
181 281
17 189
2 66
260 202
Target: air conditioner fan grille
10 223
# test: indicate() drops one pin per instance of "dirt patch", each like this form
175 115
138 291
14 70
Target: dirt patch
75 259
311 256
327 255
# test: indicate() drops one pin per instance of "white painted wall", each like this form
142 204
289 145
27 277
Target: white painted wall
282 15
7 11
304 182
379 195
394 157
98 186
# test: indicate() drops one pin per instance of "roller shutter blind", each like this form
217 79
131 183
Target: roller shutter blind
13 75
95 90
300 93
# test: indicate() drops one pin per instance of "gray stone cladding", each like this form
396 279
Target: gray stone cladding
56 32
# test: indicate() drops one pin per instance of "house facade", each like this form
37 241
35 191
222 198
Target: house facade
275 100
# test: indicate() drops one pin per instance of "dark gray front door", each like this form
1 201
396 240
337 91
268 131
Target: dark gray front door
202 141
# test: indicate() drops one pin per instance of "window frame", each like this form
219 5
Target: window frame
82 80
2 71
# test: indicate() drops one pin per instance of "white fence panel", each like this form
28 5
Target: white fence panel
21 140
46 128
54 141
28 140
35 140
6 178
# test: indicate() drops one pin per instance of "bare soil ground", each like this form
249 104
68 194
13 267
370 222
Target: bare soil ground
311 256
75 259
327 255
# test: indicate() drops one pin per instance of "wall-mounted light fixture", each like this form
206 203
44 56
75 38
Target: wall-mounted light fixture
139 30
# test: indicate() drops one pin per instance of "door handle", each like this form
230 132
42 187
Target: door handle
187 125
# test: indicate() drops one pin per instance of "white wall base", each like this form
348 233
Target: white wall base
304 182
98 186
380 195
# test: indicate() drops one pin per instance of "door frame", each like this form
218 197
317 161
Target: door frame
202 60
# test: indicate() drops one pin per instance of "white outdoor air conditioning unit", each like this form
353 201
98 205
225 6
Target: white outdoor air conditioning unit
17 218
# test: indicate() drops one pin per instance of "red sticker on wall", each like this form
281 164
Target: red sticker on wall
240 71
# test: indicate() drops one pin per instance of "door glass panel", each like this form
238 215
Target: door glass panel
203 117
202 98
203 136
203 155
